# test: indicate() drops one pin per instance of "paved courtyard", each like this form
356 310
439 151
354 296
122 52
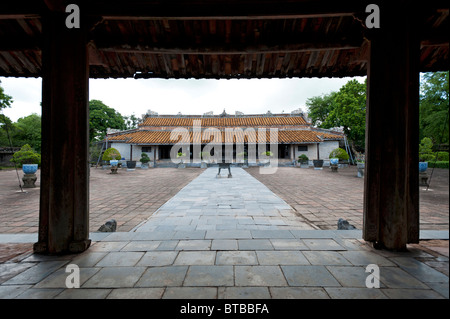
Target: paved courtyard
129 197
322 197
249 236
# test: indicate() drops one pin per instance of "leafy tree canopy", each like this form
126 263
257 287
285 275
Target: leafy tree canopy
28 131
345 108
5 100
102 117
434 105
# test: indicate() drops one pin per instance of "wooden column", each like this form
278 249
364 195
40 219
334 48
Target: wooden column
64 201
391 188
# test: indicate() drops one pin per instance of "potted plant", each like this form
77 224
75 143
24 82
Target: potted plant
303 160
30 160
113 156
425 154
181 155
340 154
244 156
268 154
144 161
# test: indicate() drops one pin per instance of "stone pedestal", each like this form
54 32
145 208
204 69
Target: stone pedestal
423 179
29 180
334 167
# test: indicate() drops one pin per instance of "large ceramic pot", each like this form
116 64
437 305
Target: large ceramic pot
334 161
29 168
318 164
423 166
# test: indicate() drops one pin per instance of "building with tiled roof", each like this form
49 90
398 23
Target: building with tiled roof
285 135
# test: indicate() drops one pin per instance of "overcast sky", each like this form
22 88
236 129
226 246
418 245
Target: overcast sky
130 96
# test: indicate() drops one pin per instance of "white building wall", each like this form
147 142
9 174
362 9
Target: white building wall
124 150
325 149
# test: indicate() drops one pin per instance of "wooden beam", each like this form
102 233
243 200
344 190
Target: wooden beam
234 48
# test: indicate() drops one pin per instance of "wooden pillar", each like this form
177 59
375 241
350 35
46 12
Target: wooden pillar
64 201
391 187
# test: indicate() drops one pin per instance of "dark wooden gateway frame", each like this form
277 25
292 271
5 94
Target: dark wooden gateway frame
226 39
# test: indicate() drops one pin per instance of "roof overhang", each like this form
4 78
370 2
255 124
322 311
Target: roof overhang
215 38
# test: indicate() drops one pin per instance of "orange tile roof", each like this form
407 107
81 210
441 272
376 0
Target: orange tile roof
227 136
330 136
224 121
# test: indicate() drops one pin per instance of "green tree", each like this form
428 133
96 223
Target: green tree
345 108
131 122
102 117
28 131
320 107
434 106
350 113
5 100
6 125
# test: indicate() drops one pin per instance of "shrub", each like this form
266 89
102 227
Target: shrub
111 154
426 150
339 153
303 158
204 155
26 155
267 153
442 156
144 158
439 164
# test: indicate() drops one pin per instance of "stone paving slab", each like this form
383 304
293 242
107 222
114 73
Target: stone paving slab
279 261
240 207
282 272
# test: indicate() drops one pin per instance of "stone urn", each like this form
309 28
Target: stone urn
423 175
29 178
334 164
361 167
423 166
114 166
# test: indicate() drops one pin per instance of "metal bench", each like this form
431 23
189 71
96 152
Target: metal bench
225 165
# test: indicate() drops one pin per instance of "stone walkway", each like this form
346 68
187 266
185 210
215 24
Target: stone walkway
221 238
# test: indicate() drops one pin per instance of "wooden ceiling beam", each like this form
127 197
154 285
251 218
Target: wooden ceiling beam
223 9
233 50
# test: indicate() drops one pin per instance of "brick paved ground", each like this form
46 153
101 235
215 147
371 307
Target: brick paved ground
129 197
322 197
